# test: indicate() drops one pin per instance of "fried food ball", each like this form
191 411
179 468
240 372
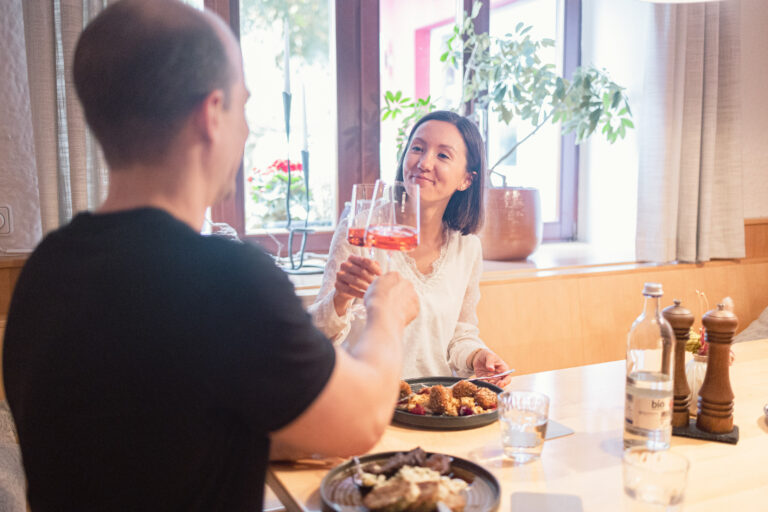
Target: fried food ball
405 389
464 388
486 398
439 399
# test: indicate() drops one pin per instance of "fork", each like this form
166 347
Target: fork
489 377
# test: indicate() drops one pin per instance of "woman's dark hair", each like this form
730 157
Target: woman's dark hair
464 212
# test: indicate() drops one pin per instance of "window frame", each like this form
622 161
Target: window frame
356 26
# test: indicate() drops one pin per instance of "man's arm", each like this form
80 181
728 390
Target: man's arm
350 414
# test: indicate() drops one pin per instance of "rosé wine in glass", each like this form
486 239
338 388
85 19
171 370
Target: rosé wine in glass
394 217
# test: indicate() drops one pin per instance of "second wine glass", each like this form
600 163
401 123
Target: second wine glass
394 218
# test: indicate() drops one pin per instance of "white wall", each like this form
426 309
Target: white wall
754 71
18 177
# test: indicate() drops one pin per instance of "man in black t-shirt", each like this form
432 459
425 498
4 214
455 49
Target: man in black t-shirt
148 367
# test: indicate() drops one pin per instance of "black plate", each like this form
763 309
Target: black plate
444 422
339 494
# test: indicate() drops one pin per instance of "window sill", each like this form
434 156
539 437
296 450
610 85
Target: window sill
549 259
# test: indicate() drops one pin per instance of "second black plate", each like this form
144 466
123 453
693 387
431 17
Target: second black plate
442 422
339 493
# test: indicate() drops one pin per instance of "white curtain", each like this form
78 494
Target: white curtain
70 169
690 205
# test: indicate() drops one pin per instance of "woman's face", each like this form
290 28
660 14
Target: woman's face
436 160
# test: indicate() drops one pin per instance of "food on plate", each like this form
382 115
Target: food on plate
413 482
463 399
441 401
405 389
464 388
486 398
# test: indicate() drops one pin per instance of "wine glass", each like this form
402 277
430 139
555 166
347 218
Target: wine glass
358 213
394 218
362 194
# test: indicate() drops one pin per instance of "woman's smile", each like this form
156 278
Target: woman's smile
422 179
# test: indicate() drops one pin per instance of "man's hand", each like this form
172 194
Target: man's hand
354 277
391 294
485 363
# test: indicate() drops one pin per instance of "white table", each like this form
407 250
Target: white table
590 400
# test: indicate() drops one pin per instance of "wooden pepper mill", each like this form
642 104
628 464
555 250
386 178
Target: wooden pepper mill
715 406
681 321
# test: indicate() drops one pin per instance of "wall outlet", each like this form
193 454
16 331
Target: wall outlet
6 226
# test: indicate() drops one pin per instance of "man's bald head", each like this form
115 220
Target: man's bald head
142 67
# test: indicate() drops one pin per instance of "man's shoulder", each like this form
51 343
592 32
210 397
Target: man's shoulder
150 240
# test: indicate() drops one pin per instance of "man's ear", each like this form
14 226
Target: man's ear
210 114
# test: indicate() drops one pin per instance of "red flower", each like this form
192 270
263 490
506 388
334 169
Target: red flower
282 166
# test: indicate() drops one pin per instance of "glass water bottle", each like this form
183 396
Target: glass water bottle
650 376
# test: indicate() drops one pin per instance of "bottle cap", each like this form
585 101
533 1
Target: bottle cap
652 289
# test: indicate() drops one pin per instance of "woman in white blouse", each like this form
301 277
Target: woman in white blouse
445 156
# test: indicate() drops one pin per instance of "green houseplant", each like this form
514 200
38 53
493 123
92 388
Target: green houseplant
506 77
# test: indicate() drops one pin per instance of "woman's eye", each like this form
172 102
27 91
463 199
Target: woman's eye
415 148
443 155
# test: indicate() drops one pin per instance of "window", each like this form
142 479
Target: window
537 162
332 44
352 59
311 82
413 37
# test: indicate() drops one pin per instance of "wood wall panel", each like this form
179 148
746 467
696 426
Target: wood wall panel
756 238
508 311
566 320
9 274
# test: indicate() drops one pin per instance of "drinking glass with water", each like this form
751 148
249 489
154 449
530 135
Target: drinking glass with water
654 481
523 416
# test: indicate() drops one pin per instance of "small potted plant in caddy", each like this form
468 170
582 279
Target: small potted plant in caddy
506 76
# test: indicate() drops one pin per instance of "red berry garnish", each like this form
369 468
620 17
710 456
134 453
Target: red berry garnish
418 409
465 410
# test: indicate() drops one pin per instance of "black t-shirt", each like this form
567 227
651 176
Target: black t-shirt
145 366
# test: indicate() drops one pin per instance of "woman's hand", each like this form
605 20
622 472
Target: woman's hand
485 363
352 280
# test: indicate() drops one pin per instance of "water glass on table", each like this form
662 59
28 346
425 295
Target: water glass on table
523 416
654 481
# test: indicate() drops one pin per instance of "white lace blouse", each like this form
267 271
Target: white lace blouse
444 334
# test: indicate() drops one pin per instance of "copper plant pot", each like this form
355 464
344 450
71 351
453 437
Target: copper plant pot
512 228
